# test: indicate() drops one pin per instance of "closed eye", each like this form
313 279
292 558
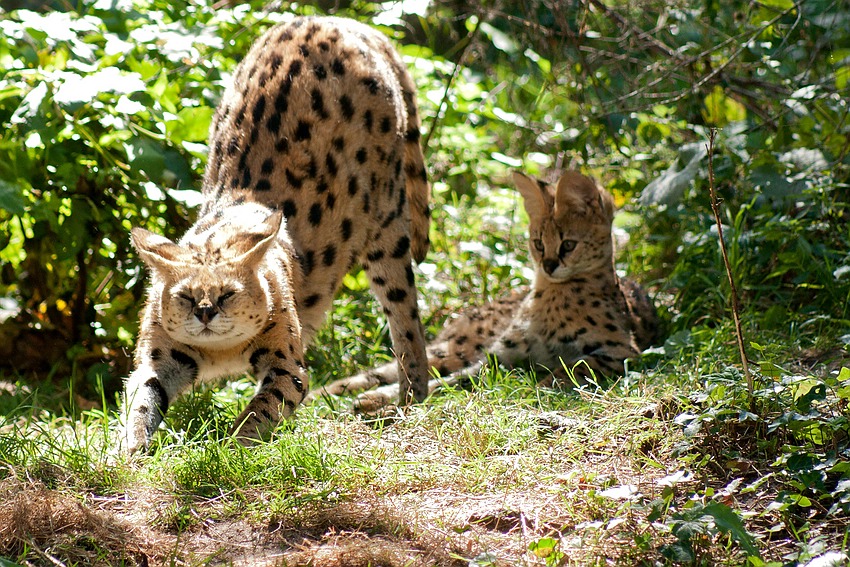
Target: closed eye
567 246
187 297
225 297
538 244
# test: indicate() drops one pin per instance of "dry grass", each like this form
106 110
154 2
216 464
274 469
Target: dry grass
433 495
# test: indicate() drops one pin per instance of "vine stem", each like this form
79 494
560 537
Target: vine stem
736 304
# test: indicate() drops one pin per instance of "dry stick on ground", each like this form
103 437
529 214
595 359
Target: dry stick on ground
736 304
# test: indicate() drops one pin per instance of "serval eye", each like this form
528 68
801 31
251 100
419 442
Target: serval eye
538 244
187 297
567 246
225 297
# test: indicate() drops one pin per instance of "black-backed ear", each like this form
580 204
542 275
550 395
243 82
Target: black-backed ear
156 251
581 195
538 202
248 248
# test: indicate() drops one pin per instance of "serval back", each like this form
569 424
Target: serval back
320 129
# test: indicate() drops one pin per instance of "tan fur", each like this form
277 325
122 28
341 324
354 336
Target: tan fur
320 127
578 318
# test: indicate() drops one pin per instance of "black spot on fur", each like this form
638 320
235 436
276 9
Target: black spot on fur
184 359
156 354
329 255
317 102
346 107
293 180
240 117
401 247
379 281
330 163
385 124
375 256
353 186
320 72
345 228
307 262
160 395
256 355
281 104
302 131
414 172
339 144
274 62
412 135
367 120
259 109
372 84
233 146
305 52
246 178
276 393
263 185
361 155
311 300
289 208
315 215
397 294
267 167
589 348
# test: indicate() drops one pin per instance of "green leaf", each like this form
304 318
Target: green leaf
543 547
500 39
12 198
728 521
30 105
720 110
669 187
146 155
778 5
192 124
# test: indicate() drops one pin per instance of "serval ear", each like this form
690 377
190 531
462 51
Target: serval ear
536 196
581 196
246 249
158 252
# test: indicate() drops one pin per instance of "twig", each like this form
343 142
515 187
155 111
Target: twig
470 37
736 304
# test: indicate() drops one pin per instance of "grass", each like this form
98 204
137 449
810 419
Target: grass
667 465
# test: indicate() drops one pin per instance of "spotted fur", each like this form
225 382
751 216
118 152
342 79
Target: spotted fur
316 143
577 318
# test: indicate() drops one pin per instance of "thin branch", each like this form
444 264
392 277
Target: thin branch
470 38
736 304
